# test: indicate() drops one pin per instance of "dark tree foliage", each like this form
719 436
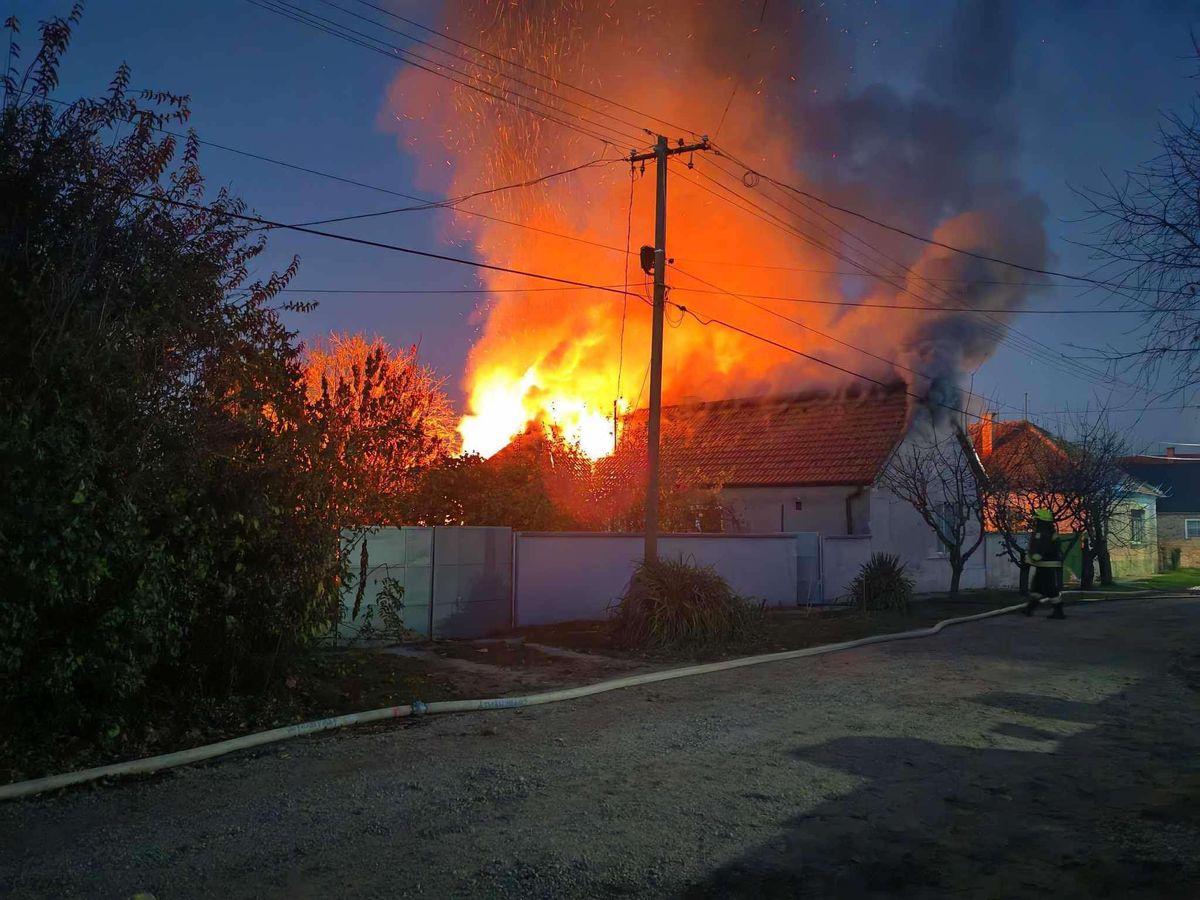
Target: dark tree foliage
163 515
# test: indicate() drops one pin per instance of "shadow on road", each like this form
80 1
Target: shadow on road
1111 811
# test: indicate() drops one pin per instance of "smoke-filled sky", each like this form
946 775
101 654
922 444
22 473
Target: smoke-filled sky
971 119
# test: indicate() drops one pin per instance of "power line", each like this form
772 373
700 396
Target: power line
1006 332
706 320
1035 270
397 248
488 68
522 66
774 220
843 273
397 54
452 202
910 307
428 204
425 202
331 26
806 327
762 13
418 291
999 331
687 290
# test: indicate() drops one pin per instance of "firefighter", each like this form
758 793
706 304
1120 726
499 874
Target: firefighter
1046 560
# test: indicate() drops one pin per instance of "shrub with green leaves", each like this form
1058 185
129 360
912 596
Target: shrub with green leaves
882 584
165 510
675 603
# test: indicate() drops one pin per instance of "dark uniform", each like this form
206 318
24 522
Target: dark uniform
1046 560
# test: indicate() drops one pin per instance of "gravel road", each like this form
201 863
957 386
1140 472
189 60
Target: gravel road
1006 758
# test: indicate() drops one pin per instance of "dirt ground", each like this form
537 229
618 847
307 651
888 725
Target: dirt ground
333 682
1005 758
777 629
321 684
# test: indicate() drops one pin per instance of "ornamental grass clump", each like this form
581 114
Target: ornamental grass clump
674 603
882 584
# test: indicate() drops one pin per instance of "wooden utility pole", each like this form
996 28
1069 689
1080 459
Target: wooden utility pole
662 151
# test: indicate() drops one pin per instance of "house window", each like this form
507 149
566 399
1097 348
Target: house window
1137 526
943 514
1191 528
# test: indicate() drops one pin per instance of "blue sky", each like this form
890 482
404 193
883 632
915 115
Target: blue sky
1088 83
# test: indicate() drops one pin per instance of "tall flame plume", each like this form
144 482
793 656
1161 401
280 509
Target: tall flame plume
572 358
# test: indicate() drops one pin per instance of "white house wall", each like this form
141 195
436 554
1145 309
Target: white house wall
899 529
822 509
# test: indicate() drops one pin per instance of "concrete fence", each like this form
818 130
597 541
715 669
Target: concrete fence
457 581
841 558
567 576
472 582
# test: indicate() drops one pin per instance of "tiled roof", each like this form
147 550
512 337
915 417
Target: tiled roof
1018 450
793 440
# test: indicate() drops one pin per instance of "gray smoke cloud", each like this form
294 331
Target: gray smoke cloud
931 149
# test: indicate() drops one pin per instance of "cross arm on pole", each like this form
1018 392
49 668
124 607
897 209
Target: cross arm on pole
634 156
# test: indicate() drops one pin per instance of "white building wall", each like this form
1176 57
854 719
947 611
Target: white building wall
822 509
898 528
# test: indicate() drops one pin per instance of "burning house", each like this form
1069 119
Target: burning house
771 295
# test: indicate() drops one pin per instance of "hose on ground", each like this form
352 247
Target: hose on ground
417 708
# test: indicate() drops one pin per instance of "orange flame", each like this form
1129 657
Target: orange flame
564 358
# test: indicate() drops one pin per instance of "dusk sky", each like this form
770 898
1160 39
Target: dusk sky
1085 84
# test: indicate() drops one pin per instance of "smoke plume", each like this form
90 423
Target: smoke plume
780 81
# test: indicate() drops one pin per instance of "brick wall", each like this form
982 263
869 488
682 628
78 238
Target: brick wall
1171 534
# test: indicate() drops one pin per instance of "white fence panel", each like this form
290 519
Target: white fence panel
841 558
568 576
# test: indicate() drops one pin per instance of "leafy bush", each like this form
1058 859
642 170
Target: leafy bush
882 583
675 603
166 512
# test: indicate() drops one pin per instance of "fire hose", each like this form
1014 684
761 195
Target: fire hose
417 708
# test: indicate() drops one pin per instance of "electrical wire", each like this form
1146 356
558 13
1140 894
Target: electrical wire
1035 270
519 65
452 202
397 248
296 13
854 304
399 55
638 128
762 13
1006 332
806 327
847 274
388 291
702 318
425 202
1000 331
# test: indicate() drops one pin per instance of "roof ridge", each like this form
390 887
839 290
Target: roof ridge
896 388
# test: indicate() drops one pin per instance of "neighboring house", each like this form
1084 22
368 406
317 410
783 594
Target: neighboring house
1178 478
1013 448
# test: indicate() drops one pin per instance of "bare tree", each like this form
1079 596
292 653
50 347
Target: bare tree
1149 244
934 475
1095 489
1079 481
1009 494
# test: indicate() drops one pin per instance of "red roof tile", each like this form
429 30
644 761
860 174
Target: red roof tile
1021 451
795 439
